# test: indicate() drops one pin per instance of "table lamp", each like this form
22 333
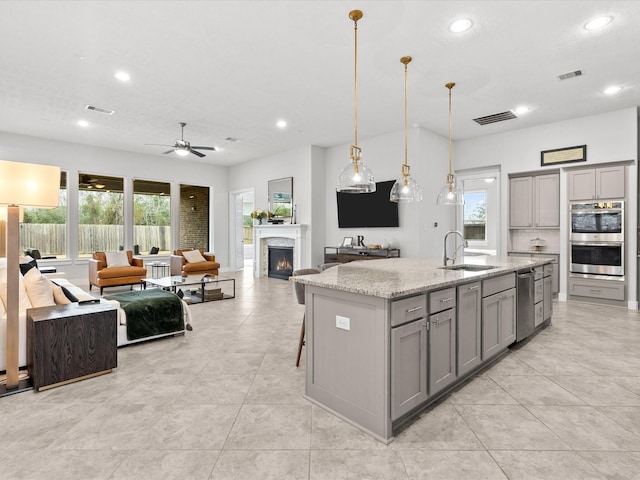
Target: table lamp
31 186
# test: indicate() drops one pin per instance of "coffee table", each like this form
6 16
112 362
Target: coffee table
210 287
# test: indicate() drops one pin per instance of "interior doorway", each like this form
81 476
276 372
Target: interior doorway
241 229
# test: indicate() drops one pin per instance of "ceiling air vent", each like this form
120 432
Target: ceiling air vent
106 111
568 75
496 117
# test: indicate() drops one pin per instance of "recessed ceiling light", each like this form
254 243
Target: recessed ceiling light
490 179
521 110
122 76
597 23
82 123
281 123
460 25
612 90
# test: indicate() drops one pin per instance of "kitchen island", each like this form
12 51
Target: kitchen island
386 338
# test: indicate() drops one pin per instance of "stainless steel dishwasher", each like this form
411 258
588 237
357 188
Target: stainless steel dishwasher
525 311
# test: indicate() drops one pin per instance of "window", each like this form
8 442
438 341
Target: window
475 216
101 214
151 216
45 230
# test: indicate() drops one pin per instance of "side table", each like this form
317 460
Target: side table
67 343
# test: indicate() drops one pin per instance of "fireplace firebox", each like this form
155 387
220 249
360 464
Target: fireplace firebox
280 262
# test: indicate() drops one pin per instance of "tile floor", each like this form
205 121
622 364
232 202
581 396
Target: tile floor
225 402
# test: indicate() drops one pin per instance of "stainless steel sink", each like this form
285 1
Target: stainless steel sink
469 267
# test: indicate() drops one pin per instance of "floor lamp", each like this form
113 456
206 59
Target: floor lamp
31 186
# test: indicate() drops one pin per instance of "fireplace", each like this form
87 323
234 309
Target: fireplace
280 262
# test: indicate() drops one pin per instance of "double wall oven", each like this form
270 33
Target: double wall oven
597 238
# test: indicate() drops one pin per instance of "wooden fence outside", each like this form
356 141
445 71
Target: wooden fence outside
50 239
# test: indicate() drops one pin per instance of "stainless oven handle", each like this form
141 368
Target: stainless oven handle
591 212
597 244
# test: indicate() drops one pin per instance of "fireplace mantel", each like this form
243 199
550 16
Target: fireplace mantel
262 233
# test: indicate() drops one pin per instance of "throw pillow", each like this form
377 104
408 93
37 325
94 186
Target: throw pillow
65 291
24 302
117 259
27 263
58 295
38 289
193 256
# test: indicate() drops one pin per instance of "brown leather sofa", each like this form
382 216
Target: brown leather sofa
180 266
102 275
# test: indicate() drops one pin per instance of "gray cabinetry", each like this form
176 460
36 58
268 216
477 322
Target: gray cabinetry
469 323
594 183
596 289
548 292
442 350
534 201
498 315
520 202
408 367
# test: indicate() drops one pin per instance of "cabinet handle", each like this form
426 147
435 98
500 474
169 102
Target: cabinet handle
435 321
445 300
595 290
414 309
473 288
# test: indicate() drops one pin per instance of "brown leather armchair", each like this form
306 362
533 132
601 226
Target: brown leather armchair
102 275
180 266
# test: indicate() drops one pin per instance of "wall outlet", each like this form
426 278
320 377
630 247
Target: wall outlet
343 323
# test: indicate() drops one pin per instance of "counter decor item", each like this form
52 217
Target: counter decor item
537 244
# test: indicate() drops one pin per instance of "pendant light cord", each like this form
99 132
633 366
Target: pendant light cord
450 177
355 82
406 61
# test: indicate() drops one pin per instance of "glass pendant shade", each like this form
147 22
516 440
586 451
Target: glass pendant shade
406 189
356 178
450 195
182 152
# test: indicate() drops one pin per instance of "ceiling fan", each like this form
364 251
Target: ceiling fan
182 147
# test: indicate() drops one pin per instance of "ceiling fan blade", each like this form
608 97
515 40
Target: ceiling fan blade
197 153
168 151
159 144
206 148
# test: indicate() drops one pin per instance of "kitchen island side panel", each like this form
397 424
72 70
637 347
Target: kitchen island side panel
348 357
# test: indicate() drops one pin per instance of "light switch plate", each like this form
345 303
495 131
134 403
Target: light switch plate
343 323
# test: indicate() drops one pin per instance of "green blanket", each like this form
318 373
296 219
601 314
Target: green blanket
150 312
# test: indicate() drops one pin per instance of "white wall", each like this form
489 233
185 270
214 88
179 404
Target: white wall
609 137
255 174
428 156
76 158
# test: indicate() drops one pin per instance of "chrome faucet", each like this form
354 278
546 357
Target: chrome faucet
445 257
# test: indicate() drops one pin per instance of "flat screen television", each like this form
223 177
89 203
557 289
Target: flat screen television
358 210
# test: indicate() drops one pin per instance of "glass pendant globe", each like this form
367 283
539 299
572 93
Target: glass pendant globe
356 178
406 189
450 195
182 152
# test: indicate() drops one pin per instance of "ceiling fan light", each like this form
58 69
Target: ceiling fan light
182 152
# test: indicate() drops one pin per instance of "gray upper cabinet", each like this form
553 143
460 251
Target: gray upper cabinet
534 201
469 327
597 183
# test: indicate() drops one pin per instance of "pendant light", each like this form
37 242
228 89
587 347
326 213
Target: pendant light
406 189
450 194
356 176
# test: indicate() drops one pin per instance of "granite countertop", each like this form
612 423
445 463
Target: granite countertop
400 277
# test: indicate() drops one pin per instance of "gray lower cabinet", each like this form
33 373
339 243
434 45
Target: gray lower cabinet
442 350
469 323
408 367
548 293
498 322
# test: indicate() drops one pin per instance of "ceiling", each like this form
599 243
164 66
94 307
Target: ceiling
231 69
